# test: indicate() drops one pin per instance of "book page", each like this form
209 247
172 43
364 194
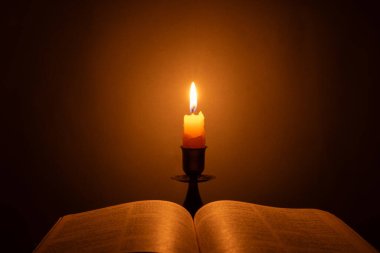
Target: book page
143 226
231 226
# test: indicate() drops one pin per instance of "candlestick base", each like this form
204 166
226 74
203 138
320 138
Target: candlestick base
187 179
193 161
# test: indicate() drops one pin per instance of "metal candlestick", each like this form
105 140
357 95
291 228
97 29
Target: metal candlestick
193 164
193 200
193 161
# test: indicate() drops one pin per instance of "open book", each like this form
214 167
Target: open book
221 226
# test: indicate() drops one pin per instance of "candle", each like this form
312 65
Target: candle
193 124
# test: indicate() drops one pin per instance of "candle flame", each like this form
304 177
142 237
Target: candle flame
193 98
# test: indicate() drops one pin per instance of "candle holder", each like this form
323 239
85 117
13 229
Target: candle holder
193 164
193 161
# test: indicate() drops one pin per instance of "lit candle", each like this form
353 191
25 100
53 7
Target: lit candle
193 124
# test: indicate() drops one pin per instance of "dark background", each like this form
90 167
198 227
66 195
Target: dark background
93 97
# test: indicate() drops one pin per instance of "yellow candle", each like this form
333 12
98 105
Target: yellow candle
193 125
